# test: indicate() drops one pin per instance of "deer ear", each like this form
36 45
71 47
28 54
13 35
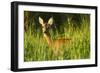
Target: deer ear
41 21
50 21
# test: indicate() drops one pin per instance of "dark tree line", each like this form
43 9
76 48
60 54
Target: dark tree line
31 20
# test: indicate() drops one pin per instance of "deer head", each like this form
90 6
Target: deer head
46 25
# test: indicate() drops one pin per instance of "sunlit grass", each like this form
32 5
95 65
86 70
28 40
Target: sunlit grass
37 49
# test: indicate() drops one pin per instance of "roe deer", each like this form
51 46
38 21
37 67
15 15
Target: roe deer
54 44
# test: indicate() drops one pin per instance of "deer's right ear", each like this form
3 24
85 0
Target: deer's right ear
41 21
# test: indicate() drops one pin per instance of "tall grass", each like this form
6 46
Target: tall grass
37 49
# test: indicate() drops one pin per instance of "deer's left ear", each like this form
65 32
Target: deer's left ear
50 21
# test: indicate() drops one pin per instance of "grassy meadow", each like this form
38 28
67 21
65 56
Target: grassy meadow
37 49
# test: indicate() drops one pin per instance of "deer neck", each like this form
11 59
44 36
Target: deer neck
48 39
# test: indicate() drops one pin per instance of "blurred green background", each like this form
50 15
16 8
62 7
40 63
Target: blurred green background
66 25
